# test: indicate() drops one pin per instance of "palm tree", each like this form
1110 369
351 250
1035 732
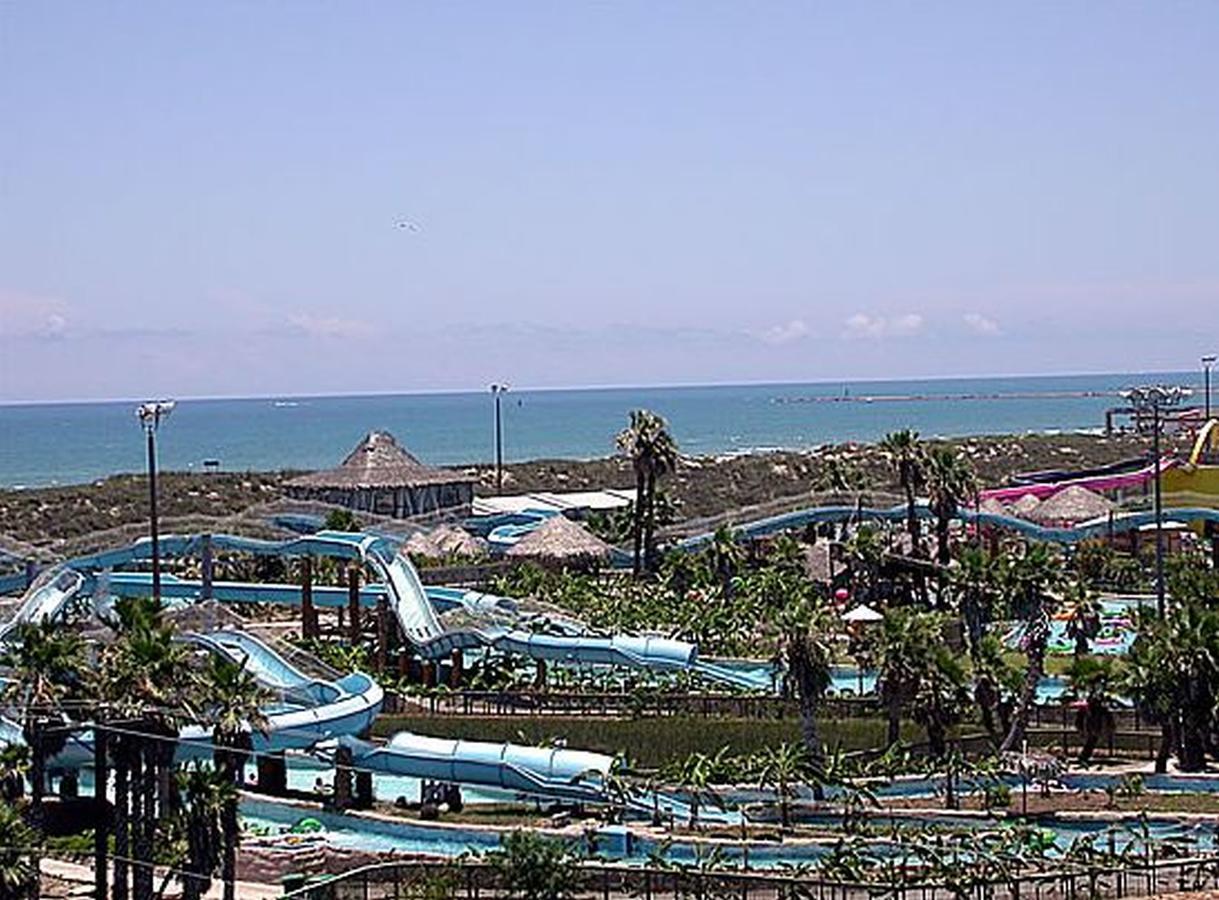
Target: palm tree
905 654
865 555
207 794
1152 683
809 654
974 581
996 682
18 856
48 666
727 557
905 453
145 682
1092 682
14 766
782 768
232 703
649 445
1084 623
950 481
941 697
1031 578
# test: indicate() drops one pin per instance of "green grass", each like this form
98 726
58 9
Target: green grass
648 742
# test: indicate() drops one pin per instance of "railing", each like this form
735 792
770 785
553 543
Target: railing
474 880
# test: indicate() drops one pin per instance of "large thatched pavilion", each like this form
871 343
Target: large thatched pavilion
379 476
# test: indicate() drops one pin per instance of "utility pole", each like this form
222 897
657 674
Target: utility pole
496 391
150 415
1152 399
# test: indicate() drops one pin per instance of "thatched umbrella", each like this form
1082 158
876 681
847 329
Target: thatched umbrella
422 545
993 506
454 541
1072 504
559 539
1025 506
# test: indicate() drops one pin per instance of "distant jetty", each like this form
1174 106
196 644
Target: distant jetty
939 398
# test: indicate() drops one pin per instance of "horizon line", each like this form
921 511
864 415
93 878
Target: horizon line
342 395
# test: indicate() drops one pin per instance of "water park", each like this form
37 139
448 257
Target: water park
378 688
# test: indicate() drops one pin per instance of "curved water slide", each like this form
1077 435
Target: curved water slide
1103 481
411 604
45 600
838 514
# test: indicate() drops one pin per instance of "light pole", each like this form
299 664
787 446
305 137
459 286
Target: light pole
496 391
151 414
1207 362
1152 398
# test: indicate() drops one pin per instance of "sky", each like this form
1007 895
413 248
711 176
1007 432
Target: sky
218 199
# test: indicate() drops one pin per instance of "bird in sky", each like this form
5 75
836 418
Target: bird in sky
409 226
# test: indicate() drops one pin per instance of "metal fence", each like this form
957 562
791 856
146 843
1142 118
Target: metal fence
477 880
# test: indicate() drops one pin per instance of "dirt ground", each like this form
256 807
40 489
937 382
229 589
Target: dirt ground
701 486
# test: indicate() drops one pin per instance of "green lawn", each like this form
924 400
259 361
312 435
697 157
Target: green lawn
649 742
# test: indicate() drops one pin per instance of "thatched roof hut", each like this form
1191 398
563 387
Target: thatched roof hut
1070 505
380 476
559 539
454 541
993 506
421 544
1025 506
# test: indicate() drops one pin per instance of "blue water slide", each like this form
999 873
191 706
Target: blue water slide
45 599
576 775
837 514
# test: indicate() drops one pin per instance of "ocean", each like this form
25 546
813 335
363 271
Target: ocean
68 443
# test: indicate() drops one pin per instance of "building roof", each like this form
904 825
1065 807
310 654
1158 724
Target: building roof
1026 505
555 501
378 461
1072 504
456 541
421 544
560 538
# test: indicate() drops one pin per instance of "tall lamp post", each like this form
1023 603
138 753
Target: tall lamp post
151 414
1151 399
1208 362
496 391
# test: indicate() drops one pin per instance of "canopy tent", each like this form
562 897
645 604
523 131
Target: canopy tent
863 613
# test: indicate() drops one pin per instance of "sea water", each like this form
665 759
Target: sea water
69 443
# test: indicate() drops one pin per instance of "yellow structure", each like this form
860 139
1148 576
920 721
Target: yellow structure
1195 482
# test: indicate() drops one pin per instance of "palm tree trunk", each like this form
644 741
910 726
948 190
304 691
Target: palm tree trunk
637 524
227 760
895 722
38 771
649 525
228 871
146 823
1028 693
1168 740
912 524
122 816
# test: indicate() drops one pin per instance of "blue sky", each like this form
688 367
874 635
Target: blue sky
274 197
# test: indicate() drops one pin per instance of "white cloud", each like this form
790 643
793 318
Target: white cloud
54 327
328 326
784 333
30 316
980 324
862 325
